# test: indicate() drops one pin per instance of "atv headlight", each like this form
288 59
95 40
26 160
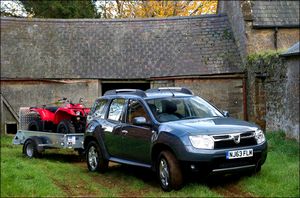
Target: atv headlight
77 113
202 141
259 136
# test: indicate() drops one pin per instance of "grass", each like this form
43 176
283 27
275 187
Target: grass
280 174
63 173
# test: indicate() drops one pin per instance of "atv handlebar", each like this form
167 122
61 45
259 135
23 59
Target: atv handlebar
65 100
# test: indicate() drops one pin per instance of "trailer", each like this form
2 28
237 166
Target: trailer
36 142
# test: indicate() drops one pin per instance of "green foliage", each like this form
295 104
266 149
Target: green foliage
227 35
263 59
66 9
268 64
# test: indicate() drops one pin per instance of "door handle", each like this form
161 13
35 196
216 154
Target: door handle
124 132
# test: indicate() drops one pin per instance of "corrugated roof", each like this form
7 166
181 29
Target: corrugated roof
294 50
275 13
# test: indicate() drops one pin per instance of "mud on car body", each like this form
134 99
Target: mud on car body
170 131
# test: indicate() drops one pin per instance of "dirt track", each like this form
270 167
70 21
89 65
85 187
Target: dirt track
225 186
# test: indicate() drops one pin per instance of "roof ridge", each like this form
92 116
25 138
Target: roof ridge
112 20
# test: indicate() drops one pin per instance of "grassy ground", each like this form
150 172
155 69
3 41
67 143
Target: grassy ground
64 173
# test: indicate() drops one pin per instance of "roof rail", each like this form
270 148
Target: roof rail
171 89
137 92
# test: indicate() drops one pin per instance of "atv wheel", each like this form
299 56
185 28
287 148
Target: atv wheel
35 125
65 127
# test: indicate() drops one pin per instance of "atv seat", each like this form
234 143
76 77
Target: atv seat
52 109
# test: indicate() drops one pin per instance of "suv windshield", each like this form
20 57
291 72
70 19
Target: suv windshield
181 108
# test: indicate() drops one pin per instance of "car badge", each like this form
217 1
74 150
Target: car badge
236 139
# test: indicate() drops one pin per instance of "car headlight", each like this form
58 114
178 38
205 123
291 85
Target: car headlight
259 136
202 141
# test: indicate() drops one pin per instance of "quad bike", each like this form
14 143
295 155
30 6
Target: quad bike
69 118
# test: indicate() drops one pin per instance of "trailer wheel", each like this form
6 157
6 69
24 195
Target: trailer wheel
94 158
65 127
30 149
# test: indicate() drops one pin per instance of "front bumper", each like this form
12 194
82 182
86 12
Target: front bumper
214 161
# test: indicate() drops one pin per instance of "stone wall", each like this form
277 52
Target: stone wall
282 99
162 83
226 93
260 40
253 37
292 97
37 93
273 92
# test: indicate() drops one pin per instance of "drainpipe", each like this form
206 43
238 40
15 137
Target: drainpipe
245 99
275 38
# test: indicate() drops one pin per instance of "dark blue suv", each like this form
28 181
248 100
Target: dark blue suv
170 131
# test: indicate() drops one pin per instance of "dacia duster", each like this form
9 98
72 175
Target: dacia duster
170 131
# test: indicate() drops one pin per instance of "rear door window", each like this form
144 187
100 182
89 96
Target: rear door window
98 109
116 109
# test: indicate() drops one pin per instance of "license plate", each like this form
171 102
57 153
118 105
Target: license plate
239 154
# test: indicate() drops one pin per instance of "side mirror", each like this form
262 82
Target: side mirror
226 113
81 100
89 118
139 121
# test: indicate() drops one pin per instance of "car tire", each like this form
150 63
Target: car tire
30 149
35 125
169 172
65 127
94 158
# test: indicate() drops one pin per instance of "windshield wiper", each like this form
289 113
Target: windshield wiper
191 117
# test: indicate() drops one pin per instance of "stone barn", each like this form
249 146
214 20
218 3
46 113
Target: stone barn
46 59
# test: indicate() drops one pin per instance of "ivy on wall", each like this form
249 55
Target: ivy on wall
266 65
266 74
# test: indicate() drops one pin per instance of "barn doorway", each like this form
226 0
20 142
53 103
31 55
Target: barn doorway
11 128
143 85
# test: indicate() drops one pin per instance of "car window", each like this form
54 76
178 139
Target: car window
176 106
136 109
116 108
171 109
98 110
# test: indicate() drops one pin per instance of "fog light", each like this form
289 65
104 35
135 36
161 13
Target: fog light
193 167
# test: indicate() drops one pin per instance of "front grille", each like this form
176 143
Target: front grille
222 162
234 140
225 163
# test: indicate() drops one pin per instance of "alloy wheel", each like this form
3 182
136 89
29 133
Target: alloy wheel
29 150
164 172
93 158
